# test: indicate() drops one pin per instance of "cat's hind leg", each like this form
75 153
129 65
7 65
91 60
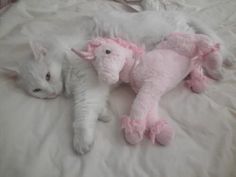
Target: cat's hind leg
106 114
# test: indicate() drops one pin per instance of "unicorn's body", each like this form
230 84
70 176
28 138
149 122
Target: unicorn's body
151 75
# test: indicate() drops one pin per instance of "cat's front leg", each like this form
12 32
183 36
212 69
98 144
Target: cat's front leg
89 101
83 139
84 125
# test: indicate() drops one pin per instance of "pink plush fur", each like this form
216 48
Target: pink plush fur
151 75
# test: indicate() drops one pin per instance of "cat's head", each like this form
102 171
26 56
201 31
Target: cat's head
41 75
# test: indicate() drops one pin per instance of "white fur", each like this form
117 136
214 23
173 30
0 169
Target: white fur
147 27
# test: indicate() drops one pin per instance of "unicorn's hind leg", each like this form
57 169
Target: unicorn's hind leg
197 81
213 66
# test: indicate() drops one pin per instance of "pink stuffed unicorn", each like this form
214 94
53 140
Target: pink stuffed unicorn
151 75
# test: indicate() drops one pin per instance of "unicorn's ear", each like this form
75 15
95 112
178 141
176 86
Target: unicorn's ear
10 72
83 54
38 49
95 42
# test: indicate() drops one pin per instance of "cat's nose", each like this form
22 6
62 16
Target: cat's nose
53 94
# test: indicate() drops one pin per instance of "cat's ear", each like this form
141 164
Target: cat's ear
10 72
39 50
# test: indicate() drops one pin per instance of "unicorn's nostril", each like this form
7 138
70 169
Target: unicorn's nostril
108 51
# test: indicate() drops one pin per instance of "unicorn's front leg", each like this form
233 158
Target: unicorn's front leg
134 125
158 129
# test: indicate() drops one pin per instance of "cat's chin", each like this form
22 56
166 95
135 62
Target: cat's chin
51 97
46 98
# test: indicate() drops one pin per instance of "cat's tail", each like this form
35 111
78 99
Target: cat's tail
202 28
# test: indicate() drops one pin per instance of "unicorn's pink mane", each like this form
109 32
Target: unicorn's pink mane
129 45
123 43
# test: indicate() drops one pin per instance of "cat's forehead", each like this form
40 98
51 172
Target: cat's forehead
33 69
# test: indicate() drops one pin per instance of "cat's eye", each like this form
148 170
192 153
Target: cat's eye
48 76
108 51
37 90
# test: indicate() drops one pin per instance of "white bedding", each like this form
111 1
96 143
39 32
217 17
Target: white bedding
36 135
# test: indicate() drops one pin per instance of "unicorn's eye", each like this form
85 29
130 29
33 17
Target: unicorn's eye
48 76
108 51
37 90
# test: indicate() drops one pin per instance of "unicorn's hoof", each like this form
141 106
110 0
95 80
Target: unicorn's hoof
161 133
165 136
133 138
133 129
197 86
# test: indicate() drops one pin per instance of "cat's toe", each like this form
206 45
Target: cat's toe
104 118
82 144
106 115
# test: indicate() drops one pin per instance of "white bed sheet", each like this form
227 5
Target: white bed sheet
35 135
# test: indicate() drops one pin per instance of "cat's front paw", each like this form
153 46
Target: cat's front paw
83 142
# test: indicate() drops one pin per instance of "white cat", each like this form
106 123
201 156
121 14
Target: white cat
44 75
53 64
